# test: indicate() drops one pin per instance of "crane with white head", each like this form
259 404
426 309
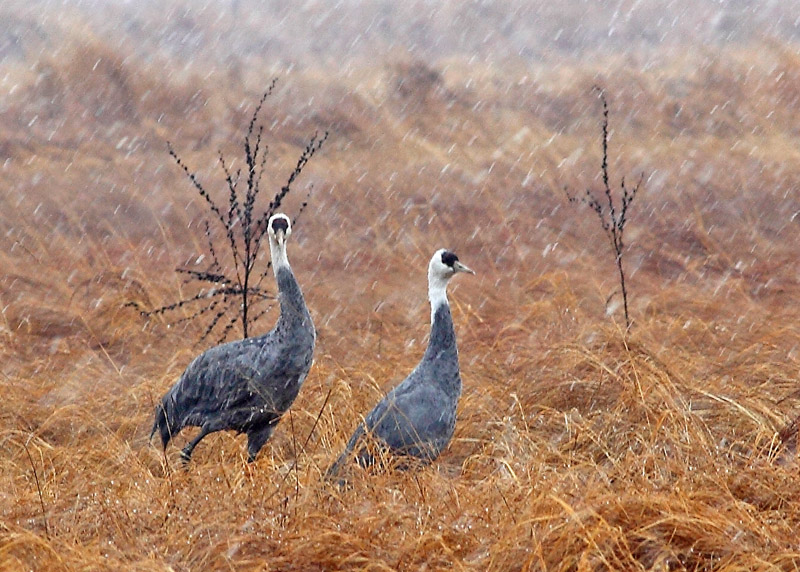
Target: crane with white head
246 385
417 418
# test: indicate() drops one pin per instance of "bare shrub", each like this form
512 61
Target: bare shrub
612 214
230 291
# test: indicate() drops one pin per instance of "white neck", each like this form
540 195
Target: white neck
278 253
437 293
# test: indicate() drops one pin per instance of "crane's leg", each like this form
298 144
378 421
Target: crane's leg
186 453
256 440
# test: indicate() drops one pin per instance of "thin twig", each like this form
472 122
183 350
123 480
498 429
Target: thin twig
38 488
305 443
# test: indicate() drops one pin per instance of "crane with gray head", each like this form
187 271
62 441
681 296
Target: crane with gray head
417 418
246 385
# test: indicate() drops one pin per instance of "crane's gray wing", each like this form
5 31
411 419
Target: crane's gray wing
224 378
415 419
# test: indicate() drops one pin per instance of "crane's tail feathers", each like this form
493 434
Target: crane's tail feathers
333 470
162 424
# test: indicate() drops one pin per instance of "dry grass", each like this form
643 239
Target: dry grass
576 448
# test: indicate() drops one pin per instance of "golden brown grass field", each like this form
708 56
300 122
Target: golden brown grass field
578 447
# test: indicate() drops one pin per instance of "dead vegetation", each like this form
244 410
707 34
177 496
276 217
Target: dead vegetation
577 448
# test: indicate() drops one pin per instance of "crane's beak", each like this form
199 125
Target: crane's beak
280 236
458 267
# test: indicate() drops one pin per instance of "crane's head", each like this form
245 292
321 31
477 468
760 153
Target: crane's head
444 265
279 228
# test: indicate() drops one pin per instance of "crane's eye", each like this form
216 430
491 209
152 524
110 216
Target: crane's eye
448 258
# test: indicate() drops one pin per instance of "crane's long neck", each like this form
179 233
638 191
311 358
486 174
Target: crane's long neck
293 305
442 342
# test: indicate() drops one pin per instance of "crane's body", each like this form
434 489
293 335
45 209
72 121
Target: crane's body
246 385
